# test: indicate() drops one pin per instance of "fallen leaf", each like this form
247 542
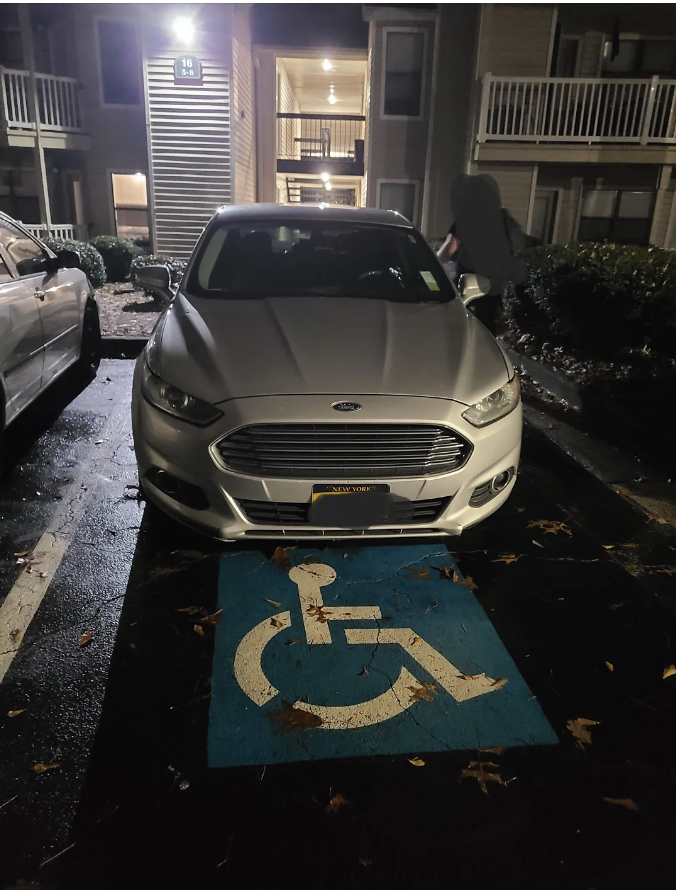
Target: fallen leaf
446 572
275 622
416 641
364 672
213 619
291 642
667 570
625 802
345 555
616 606
43 575
550 527
433 606
318 613
468 676
336 802
16 713
498 751
608 546
657 519
43 767
199 630
424 691
624 491
280 559
538 544
132 645
23 553
669 671
499 683
520 509
578 728
416 761
422 574
86 638
190 554
467 582
630 546
507 558
290 719
611 667
162 571
477 770
273 603
192 610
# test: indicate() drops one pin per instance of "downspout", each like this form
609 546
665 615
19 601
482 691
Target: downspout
146 100
427 184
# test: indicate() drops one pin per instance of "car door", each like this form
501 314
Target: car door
56 297
21 340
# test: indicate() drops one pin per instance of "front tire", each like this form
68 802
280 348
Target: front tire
90 346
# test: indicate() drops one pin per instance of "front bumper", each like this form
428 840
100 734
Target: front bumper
182 450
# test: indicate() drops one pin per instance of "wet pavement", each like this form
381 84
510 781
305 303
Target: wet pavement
168 761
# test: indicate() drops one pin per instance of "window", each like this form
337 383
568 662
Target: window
544 215
4 271
130 199
622 217
566 61
120 63
22 250
399 196
639 58
317 258
404 62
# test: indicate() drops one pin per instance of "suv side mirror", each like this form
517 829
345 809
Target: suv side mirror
472 287
157 280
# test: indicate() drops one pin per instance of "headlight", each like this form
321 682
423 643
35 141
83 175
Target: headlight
498 404
173 400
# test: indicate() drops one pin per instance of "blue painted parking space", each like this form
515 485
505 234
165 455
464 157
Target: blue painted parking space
380 651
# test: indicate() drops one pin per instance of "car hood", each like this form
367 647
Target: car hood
225 349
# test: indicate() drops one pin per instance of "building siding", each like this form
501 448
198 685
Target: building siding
516 40
190 143
243 108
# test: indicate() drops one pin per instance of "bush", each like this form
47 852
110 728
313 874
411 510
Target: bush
118 255
142 243
91 261
176 267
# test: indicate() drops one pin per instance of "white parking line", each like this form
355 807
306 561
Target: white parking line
23 600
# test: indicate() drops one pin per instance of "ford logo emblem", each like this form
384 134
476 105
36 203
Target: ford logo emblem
346 406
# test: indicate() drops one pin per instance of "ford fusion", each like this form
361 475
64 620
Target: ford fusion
317 374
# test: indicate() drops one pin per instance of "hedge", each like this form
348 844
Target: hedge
91 261
118 255
604 314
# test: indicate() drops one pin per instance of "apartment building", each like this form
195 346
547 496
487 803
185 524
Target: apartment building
151 116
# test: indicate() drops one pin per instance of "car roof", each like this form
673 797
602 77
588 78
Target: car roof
231 213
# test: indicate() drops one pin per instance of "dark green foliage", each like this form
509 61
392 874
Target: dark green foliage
118 255
91 261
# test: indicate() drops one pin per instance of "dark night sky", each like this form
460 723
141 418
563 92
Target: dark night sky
310 24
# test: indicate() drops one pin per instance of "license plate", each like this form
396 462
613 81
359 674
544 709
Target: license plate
349 506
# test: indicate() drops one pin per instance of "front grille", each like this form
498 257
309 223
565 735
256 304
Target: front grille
335 451
345 533
401 512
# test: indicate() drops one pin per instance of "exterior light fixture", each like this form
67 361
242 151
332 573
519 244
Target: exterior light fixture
328 186
183 29
139 175
325 177
326 65
331 99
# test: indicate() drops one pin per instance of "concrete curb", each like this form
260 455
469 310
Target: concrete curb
645 487
547 378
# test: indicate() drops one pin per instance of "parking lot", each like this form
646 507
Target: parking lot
485 711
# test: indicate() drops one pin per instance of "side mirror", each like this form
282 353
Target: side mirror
37 265
157 280
472 287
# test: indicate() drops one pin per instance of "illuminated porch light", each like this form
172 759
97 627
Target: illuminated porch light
328 186
325 177
326 65
331 99
183 29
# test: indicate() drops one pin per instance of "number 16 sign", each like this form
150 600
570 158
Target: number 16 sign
187 69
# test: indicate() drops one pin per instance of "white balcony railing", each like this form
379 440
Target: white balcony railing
566 109
66 231
58 102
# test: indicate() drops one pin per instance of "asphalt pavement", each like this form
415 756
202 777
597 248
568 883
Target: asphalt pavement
483 712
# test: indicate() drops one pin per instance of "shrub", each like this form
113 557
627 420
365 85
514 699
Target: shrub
91 261
142 243
176 266
118 254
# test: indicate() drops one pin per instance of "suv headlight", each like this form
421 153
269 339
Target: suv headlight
174 401
498 404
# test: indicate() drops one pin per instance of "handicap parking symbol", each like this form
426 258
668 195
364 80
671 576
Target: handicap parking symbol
376 653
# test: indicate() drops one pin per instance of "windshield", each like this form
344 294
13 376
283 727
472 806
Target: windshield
317 258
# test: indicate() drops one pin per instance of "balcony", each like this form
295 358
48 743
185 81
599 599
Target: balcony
67 231
558 113
58 104
326 143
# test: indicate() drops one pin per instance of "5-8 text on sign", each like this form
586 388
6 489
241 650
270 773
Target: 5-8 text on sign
187 69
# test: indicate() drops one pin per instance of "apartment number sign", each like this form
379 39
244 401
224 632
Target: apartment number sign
187 69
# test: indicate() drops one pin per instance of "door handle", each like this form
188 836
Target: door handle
39 293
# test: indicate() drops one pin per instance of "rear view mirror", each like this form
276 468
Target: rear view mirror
472 287
157 280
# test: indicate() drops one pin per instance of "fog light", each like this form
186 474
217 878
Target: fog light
184 492
501 481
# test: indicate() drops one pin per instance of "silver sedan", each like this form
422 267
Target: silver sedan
317 374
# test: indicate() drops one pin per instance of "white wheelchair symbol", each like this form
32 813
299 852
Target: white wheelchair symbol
310 579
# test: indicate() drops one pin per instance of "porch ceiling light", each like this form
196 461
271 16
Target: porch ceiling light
325 177
184 29
331 99
328 186
326 65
